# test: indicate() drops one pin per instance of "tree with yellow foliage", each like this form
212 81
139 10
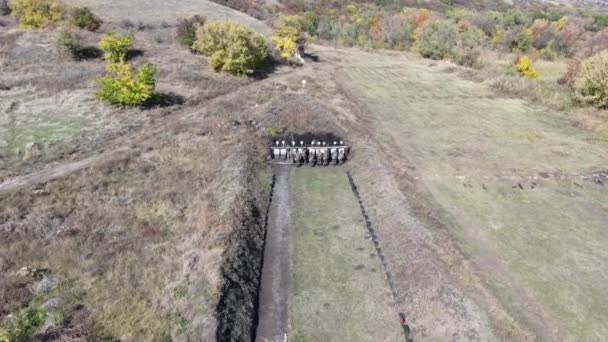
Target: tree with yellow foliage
289 37
35 14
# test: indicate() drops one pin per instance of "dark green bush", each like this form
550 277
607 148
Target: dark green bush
186 30
519 40
514 18
85 19
438 39
599 23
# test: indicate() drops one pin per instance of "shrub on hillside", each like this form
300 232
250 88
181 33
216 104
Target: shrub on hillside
119 85
525 68
458 14
515 18
328 28
186 30
35 14
438 39
288 36
68 44
85 19
486 24
114 47
571 73
472 37
521 41
591 84
231 47
310 23
599 23
396 31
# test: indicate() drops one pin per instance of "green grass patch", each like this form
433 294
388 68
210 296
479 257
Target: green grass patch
338 291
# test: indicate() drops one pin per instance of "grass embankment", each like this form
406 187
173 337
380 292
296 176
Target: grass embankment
516 179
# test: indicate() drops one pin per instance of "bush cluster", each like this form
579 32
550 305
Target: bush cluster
438 39
231 47
121 87
35 14
591 84
85 19
186 30
115 47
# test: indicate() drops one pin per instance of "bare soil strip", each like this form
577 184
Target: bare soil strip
57 171
274 288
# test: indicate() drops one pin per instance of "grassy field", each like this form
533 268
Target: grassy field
338 291
516 182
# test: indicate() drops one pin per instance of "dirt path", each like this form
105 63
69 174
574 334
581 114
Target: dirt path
274 289
157 12
56 171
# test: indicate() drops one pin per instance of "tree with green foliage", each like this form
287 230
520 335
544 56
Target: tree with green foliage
35 14
115 47
119 85
438 39
591 84
231 47
85 19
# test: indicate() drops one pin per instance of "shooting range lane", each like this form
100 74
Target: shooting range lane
338 291
274 287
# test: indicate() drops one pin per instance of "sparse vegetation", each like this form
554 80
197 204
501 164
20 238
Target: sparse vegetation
119 86
115 47
35 14
85 19
591 84
68 44
231 47
186 30
23 326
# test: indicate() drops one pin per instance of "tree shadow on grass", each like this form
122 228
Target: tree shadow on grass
265 70
162 100
134 53
87 52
